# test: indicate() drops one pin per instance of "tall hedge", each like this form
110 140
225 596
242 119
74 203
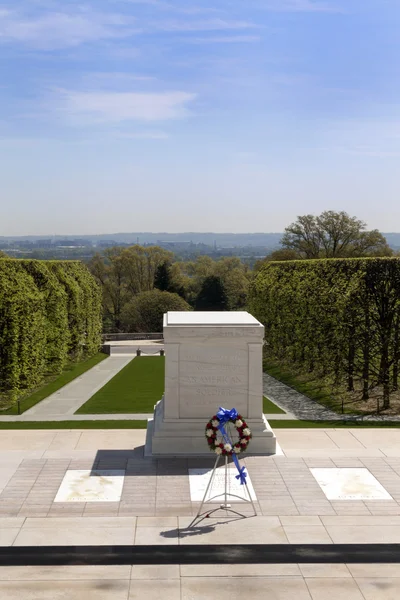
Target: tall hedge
55 298
338 318
50 313
22 329
75 308
92 313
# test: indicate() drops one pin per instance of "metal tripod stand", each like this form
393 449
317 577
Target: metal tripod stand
225 505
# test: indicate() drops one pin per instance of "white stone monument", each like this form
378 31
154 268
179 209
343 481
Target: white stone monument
212 359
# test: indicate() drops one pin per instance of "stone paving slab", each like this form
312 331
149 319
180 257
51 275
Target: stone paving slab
195 582
284 485
156 506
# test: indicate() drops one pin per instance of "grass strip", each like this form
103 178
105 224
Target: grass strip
73 424
134 389
350 424
269 408
71 372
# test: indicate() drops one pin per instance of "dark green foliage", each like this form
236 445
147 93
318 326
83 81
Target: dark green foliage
22 329
162 278
336 318
164 281
92 307
45 309
212 295
57 332
75 307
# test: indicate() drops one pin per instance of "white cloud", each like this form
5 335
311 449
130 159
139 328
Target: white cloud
156 3
168 6
115 78
233 39
114 107
53 30
143 135
202 25
303 6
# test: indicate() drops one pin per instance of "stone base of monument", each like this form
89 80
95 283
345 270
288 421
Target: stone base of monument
185 437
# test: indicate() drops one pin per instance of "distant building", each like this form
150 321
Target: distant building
66 244
82 242
173 245
107 243
43 243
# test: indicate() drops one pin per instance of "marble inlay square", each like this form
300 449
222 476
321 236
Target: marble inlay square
199 478
350 484
91 486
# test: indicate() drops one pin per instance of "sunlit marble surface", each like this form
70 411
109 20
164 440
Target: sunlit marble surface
350 484
199 478
91 486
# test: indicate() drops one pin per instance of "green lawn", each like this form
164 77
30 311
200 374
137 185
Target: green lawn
71 372
289 424
269 408
73 424
135 389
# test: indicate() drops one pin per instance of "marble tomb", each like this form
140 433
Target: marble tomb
212 359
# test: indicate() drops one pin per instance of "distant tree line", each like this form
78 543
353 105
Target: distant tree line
132 277
140 283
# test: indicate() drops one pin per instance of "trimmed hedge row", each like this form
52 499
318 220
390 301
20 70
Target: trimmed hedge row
339 318
50 313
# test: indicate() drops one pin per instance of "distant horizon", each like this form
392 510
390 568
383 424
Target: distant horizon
138 233
82 235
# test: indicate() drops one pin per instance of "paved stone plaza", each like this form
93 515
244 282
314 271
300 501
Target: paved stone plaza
155 508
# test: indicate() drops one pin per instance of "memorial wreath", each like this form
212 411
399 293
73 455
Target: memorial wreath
226 446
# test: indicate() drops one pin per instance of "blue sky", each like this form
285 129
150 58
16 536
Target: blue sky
220 115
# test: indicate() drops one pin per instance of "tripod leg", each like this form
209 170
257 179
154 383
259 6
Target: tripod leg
208 486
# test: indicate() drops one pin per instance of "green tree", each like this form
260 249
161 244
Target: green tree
122 273
212 295
162 278
235 277
140 266
144 313
333 235
109 272
234 274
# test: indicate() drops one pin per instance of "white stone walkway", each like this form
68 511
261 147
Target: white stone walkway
62 404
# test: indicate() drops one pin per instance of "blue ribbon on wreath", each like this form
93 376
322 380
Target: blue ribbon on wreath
224 415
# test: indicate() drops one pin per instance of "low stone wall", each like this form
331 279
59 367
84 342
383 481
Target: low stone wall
119 337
